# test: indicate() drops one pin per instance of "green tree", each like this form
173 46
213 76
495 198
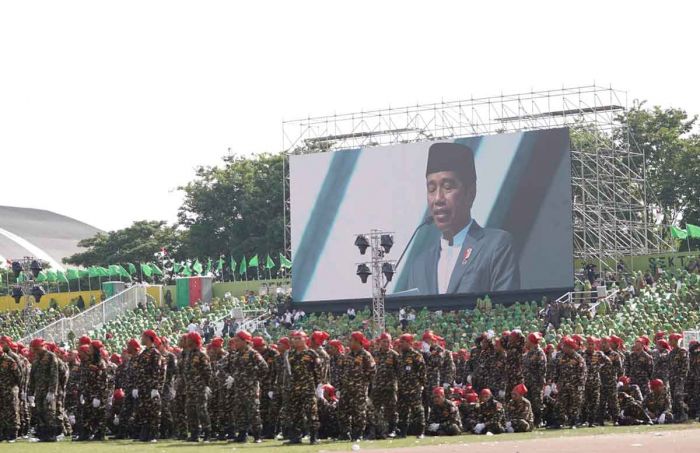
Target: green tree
136 243
236 208
671 147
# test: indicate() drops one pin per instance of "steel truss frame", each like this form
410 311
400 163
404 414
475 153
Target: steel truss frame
611 217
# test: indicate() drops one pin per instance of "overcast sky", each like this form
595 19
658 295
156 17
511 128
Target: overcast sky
106 107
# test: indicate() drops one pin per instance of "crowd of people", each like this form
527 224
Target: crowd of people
183 379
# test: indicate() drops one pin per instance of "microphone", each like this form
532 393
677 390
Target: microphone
428 220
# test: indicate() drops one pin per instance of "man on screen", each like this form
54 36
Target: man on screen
467 258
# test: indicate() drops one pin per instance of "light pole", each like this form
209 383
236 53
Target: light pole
28 268
381 270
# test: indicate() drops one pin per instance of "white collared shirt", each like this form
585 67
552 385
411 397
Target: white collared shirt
449 254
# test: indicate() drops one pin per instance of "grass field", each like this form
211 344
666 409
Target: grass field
277 447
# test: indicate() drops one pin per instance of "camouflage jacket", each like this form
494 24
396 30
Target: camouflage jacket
678 364
10 375
411 376
520 410
197 371
445 414
305 374
248 369
571 371
657 403
641 365
433 365
535 367
387 363
595 360
358 371
149 370
448 370
93 380
611 370
43 377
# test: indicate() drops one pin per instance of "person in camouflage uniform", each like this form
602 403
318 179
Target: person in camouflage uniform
358 371
610 371
93 394
549 352
660 355
128 381
519 416
411 379
640 365
246 370
43 386
317 340
514 361
12 350
218 406
448 371
678 367
469 411
303 369
328 413
473 362
595 360
149 375
570 380
267 413
10 380
434 356
167 422
657 403
631 411
492 416
693 380
384 387
617 345
336 351
73 387
625 386
197 376
280 395
462 361
63 376
444 417
535 369
180 403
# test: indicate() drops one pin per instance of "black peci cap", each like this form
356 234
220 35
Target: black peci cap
452 157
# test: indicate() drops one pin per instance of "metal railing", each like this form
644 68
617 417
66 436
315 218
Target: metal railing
92 318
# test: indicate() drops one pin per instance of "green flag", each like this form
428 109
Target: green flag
233 265
693 231
269 264
20 278
243 268
61 277
42 277
123 272
284 262
50 276
114 270
103 272
146 269
186 271
209 264
155 269
93 272
197 267
678 233
132 268
220 264
83 273
72 274
253 261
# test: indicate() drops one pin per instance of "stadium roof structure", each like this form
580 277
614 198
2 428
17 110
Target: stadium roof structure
41 234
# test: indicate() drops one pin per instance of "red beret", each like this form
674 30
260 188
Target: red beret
298 334
439 391
644 339
407 337
153 336
577 338
549 347
319 337
37 343
360 338
51 346
245 336
338 345
385 336
217 342
664 344
656 384
195 338
515 334
520 389
534 337
675 336
84 348
133 345
116 359
472 397
327 388
5 339
625 380
659 335
84 340
119 394
429 335
284 341
258 342
97 344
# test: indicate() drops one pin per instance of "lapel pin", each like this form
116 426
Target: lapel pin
467 254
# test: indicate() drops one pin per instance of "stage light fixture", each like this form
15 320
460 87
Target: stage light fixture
17 268
363 272
387 242
17 294
35 267
362 243
388 271
38 292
